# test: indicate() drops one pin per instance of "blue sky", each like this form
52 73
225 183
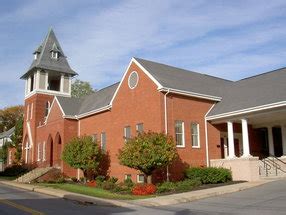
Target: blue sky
228 39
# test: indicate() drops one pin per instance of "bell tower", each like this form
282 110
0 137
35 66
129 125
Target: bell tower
48 76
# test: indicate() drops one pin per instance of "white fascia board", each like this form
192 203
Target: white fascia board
108 107
191 94
248 110
50 92
125 73
55 100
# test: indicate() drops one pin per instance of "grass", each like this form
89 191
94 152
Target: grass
8 178
92 191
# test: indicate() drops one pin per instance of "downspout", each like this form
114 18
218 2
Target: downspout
166 124
206 135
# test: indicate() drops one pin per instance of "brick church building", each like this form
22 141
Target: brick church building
215 122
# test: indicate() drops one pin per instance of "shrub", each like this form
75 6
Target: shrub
113 180
166 187
91 184
16 170
123 188
128 182
74 179
100 178
209 175
108 185
187 184
144 189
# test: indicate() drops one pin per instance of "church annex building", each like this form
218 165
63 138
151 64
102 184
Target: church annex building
215 122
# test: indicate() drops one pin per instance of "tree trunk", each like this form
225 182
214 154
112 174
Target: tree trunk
149 179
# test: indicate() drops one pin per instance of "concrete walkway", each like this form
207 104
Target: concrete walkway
155 201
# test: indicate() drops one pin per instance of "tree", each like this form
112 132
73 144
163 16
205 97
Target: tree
9 117
81 88
16 139
83 153
147 152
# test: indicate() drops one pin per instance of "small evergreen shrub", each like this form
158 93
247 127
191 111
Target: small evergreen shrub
209 175
187 184
108 185
15 170
113 180
128 182
166 187
144 189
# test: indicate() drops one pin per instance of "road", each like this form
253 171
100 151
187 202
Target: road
269 198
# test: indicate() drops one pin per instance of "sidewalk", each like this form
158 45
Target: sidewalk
155 201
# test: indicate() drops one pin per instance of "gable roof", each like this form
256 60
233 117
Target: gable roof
183 80
84 106
257 91
44 60
7 134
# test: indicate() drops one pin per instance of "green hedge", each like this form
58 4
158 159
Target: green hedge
180 186
15 170
209 175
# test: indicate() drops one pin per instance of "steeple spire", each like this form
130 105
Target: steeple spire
50 56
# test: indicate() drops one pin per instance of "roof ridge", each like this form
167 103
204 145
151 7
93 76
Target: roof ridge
261 74
185 70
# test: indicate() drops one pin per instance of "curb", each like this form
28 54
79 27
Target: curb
196 195
84 199
150 202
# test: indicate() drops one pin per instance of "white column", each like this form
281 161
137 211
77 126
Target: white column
46 81
37 79
29 85
62 83
283 133
225 148
270 140
231 153
26 87
70 83
245 138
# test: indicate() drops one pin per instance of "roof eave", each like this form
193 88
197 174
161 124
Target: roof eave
247 110
191 94
102 109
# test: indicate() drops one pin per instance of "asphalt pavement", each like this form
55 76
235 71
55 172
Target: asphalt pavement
268 198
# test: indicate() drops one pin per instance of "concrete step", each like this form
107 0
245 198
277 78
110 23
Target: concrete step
34 174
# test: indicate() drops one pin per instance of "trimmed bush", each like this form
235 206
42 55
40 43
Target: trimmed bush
16 170
187 184
209 175
144 189
166 187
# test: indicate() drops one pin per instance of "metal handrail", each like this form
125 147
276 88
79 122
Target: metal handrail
267 166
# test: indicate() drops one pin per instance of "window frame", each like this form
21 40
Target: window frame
39 152
138 177
126 176
183 133
137 127
44 151
197 135
103 149
125 133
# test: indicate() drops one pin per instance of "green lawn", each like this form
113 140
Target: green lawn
9 178
92 191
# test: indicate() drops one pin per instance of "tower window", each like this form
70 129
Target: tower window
32 83
47 108
55 55
54 81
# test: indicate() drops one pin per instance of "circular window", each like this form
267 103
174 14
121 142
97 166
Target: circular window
133 80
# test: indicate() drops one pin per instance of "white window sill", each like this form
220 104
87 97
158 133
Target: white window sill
196 147
180 146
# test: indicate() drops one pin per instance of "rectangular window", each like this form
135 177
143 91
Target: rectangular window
140 178
44 151
31 114
127 133
127 176
94 138
195 131
103 141
39 152
180 133
27 113
139 127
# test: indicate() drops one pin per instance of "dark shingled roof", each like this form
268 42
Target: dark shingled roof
8 133
180 79
99 99
44 60
251 92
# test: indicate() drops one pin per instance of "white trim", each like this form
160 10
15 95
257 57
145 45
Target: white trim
191 94
125 133
62 83
47 92
138 181
206 136
248 110
125 73
39 152
28 112
198 135
78 131
31 110
137 81
126 176
108 107
37 74
183 134
165 112
55 99
44 151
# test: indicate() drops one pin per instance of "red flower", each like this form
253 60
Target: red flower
91 184
144 189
